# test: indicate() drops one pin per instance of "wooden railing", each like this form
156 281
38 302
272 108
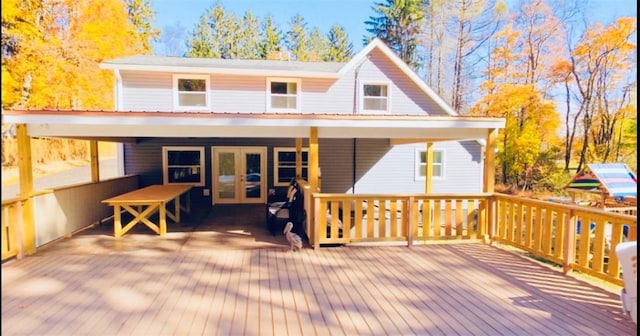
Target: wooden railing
11 228
343 218
575 237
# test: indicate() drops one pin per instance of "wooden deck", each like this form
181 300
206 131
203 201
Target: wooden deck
222 274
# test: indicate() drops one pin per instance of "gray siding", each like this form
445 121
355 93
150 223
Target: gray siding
146 91
377 167
149 91
391 169
406 98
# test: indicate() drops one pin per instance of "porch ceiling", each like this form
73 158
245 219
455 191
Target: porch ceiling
112 124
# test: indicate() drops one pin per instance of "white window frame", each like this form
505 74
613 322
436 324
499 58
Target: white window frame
276 164
165 164
176 93
418 164
298 94
362 97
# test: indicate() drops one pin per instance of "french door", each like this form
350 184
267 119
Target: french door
239 174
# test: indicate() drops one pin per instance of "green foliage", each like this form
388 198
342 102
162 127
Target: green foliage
297 40
398 23
340 49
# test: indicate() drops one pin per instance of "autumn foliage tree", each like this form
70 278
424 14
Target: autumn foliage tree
595 77
56 48
529 140
51 51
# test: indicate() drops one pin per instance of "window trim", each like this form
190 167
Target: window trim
276 167
165 164
176 93
362 97
418 164
268 94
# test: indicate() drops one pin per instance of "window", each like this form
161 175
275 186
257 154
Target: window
284 165
421 164
190 92
283 94
375 97
183 165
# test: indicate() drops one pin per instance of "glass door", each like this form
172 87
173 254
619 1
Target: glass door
239 174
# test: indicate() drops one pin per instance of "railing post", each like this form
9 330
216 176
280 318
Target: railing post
316 227
569 252
408 218
491 220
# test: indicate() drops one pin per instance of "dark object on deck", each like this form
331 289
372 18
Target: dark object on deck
278 213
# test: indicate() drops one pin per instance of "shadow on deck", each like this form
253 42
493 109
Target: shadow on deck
218 227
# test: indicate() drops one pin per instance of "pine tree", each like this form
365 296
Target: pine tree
398 23
340 49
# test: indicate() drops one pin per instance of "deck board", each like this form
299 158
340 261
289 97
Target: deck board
191 283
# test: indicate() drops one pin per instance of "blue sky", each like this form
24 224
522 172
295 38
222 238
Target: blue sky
350 14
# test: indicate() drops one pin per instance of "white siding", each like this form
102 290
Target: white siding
390 169
148 91
406 98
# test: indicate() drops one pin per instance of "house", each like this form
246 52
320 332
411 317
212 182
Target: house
238 130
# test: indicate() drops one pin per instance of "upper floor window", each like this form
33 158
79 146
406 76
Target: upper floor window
421 164
283 94
375 97
190 92
284 165
183 165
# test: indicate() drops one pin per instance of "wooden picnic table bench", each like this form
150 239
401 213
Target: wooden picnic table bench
145 202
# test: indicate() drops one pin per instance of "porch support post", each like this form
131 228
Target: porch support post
428 174
313 160
95 164
298 157
490 161
489 181
25 169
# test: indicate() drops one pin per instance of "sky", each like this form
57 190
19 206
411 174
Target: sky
350 14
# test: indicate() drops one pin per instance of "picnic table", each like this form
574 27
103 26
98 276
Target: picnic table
145 202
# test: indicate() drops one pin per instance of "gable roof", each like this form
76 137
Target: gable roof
272 67
616 179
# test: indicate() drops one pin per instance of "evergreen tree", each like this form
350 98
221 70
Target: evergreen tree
271 39
215 35
248 38
398 23
340 49
318 46
297 39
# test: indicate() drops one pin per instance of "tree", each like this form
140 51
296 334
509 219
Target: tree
215 36
318 46
141 15
69 39
473 23
528 143
398 23
297 39
595 75
340 49
271 39
248 37
172 41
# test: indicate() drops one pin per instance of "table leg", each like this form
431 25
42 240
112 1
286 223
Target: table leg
117 221
163 219
177 209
